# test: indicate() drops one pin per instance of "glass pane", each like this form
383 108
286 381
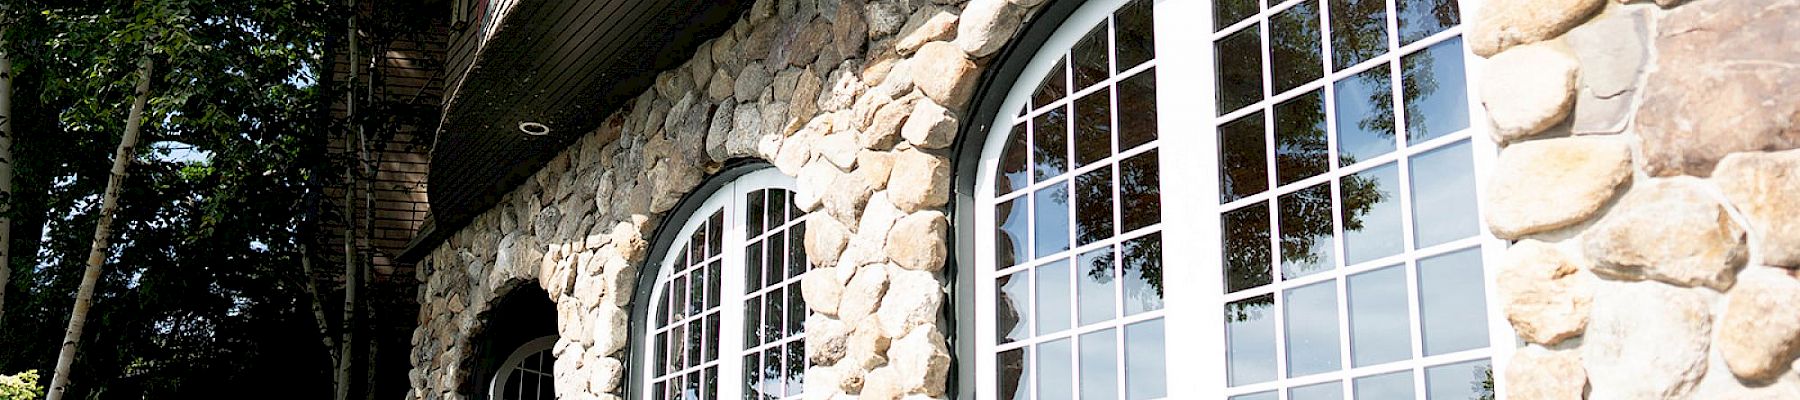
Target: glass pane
1246 233
1312 329
773 315
1093 127
772 378
772 267
712 337
1099 365
1250 340
1140 192
1437 98
1012 163
1013 370
1134 39
1053 297
796 309
1306 245
796 256
1392 385
1012 312
1239 64
1422 18
1009 235
1269 395
715 233
1227 12
1051 227
753 217
1365 115
776 210
1095 286
1443 195
1294 46
1243 158
1371 212
1053 87
1143 274
1089 56
712 284
753 321
1466 380
1333 390
1055 378
1094 206
1137 108
1301 150
1380 324
712 383
696 292
694 343
796 367
753 274
1145 361
1452 302
1050 143
1358 31
679 303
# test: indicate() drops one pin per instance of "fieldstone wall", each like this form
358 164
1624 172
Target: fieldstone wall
1647 179
857 99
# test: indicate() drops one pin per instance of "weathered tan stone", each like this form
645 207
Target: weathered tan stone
847 195
917 241
721 86
912 299
987 25
882 384
919 180
821 290
1540 374
1543 185
1721 85
921 361
928 24
1505 23
1527 89
825 239
1668 230
1646 340
944 73
850 30
826 338
821 382
604 374
1765 187
931 126
812 183
1547 294
885 18
867 347
864 293
1759 335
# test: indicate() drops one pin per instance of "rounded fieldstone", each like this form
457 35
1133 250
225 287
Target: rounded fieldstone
1647 340
926 25
1543 185
1539 374
987 25
1759 335
821 290
825 239
930 126
944 73
921 361
919 180
1505 23
1765 186
1528 89
917 241
913 298
826 338
1669 230
864 293
1725 82
1546 293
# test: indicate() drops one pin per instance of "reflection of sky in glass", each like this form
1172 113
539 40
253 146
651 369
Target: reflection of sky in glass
1333 390
1010 235
1051 227
1093 127
1099 365
1305 225
1052 297
1392 385
1250 340
1301 150
1050 143
1269 395
1312 329
1012 175
1358 31
1013 306
1452 304
1437 99
1443 198
1465 380
1144 360
1421 18
1094 285
1055 378
1380 330
1365 117
1094 205
1379 235
1143 274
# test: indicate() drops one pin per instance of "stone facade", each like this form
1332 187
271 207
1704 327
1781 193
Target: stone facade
1647 175
858 100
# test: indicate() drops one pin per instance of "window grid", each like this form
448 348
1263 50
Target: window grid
777 247
687 345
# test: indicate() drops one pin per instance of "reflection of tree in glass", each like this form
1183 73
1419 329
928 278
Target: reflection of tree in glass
1251 309
1294 46
1483 385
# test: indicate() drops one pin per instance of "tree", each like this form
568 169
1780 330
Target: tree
6 167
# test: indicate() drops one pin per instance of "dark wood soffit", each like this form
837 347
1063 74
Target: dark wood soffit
565 64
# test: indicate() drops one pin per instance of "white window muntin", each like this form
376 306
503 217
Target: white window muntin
534 365
1185 43
726 362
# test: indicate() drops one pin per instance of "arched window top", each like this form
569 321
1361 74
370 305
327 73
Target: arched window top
725 313
528 373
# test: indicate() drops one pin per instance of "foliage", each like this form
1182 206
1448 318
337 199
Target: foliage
23 386
202 292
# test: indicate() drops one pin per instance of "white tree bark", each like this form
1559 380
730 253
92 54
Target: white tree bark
109 203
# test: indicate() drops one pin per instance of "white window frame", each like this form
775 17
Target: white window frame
1195 291
542 344
730 198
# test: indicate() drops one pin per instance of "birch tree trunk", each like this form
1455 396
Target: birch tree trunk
6 170
84 298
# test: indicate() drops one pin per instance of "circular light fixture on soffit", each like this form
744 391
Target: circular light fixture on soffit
533 128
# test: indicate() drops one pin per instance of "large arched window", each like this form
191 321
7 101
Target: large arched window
726 308
1288 187
529 373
